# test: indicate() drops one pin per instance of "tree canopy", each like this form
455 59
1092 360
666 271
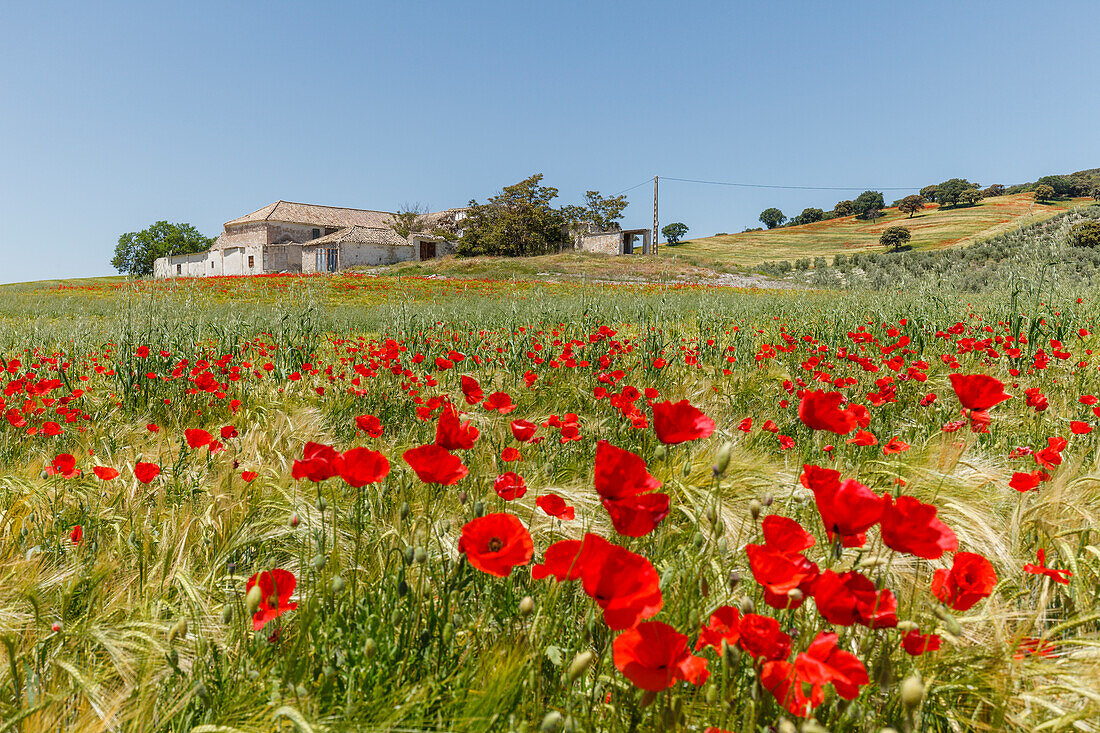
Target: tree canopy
674 232
773 217
810 215
1085 234
950 192
844 208
868 204
136 251
895 237
516 222
1043 192
911 205
603 212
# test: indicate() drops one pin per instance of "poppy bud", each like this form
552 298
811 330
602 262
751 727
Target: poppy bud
337 584
723 545
526 606
403 511
43 475
322 504
252 600
712 695
733 579
722 459
294 520
420 555
402 589
660 453
912 691
647 699
731 653
227 614
747 606
479 509
948 620
580 664
448 632
755 507
698 540
410 553
908 626
317 563
463 497
369 648
768 499
795 595
704 587
551 722
712 515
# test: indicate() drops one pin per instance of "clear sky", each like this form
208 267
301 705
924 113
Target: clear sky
116 114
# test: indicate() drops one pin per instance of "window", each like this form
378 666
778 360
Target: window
251 261
316 233
179 269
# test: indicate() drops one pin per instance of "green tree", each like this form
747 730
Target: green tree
844 208
809 216
911 205
603 212
408 219
894 237
929 193
674 232
1096 193
519 221
1085 234
1062 186
1043 192
136 251
868 204
771 218
995 190
970 196
950 192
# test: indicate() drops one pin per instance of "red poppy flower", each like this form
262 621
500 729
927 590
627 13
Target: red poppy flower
197 438
146 472
780 573
862 438
915 643
745 425
319 462
451 433
1078 427
77 534
847 508
152 428
1058 576
848 598
624 584
820 410
510 486
1022 481
105 473
276 588
978 391
911 526
970 579
51 428
499 402
680 422
523 430
626 487
654 656
229 431
361 466
555 506
724 625
762 638
781 679
64 465
248 476
370 425
1051 456
510 455
496 543
896 445
435 465
824 663
471 390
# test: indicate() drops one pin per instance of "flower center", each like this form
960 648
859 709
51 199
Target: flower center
496 544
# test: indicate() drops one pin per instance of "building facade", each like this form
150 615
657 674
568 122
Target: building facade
288 237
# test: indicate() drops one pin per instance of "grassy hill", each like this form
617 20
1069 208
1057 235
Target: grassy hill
932 228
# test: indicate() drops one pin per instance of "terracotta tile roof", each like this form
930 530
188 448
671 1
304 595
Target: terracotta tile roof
327 216
360 235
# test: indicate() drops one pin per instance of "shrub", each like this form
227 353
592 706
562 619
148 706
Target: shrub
1044 192
1085 234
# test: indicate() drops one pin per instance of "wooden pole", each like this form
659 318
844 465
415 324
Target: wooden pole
655 230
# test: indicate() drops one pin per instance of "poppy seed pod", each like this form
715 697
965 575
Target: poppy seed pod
463 497
768 499
409 554
912 691
252 599
755 507
420 555
370 648
337 584
795 595
580 664
722 459
551 722
448 632
660 453
526 606
227 614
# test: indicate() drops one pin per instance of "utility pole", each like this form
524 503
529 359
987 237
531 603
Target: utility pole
655 230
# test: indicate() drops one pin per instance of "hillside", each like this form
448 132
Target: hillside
932 228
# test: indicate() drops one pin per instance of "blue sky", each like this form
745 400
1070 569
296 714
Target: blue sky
118 114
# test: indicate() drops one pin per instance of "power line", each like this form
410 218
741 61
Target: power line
632 187
799 188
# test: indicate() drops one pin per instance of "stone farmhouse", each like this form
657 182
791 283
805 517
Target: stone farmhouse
307 238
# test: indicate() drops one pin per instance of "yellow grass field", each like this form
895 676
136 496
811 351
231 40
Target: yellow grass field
931 228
